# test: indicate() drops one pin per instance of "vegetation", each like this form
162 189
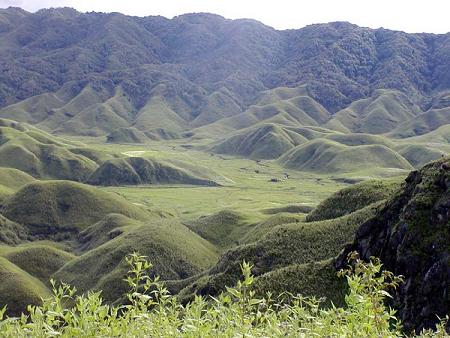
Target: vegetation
137 170
353 198
58 206
326 156
152 311
203 142
41 155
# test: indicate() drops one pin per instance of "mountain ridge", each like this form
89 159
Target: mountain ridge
339 61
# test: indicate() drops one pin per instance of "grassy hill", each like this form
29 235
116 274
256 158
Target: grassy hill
137 170
283 246
423 123
175 251
39 260
39 154
11 233
224 229
267 141
355 197
52 207
419 154
284 106
324 156
12 180
127 135
378 114
18 288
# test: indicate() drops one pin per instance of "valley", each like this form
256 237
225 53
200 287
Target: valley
201 143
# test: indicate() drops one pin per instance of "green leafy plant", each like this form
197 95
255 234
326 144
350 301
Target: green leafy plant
152 312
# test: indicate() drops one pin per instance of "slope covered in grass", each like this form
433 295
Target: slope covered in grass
11 233
420 154
223 229
262 142
284 245
127 135
316 279
58 206
423 123
37 259
378 114
355 197
137 170
18 288
39 154
359 139
11 180
175 251
324 156
289 107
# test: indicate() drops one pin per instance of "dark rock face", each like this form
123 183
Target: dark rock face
411 235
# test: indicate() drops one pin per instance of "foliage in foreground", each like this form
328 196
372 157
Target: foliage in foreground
153 312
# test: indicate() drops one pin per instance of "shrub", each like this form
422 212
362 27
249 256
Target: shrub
152 312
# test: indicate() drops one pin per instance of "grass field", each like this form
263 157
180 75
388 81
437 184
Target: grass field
247 185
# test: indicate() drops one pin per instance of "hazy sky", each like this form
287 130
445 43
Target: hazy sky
407 15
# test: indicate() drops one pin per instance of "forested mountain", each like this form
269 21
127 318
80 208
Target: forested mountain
202 67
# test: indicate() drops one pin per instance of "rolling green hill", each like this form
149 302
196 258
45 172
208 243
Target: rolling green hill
175 251
283 246
423 123
18 288
324 156
127 135
11 233
355 197
137 170
267 141
39 154
52 207
12 180
39 260
223 229
419 155
379 114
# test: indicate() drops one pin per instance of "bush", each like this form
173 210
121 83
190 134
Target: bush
153 312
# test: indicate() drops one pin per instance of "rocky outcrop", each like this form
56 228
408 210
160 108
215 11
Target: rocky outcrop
411 235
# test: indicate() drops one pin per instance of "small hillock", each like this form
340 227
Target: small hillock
137 170
263 142
127 135
49 207
175 252
325 156
353 198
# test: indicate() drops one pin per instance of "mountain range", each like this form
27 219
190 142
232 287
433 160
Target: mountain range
201 142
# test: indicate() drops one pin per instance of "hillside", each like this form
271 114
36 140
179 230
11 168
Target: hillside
52 207
202 142
268 141
282 246
137 170
39 154
175 252
326 156
199 68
